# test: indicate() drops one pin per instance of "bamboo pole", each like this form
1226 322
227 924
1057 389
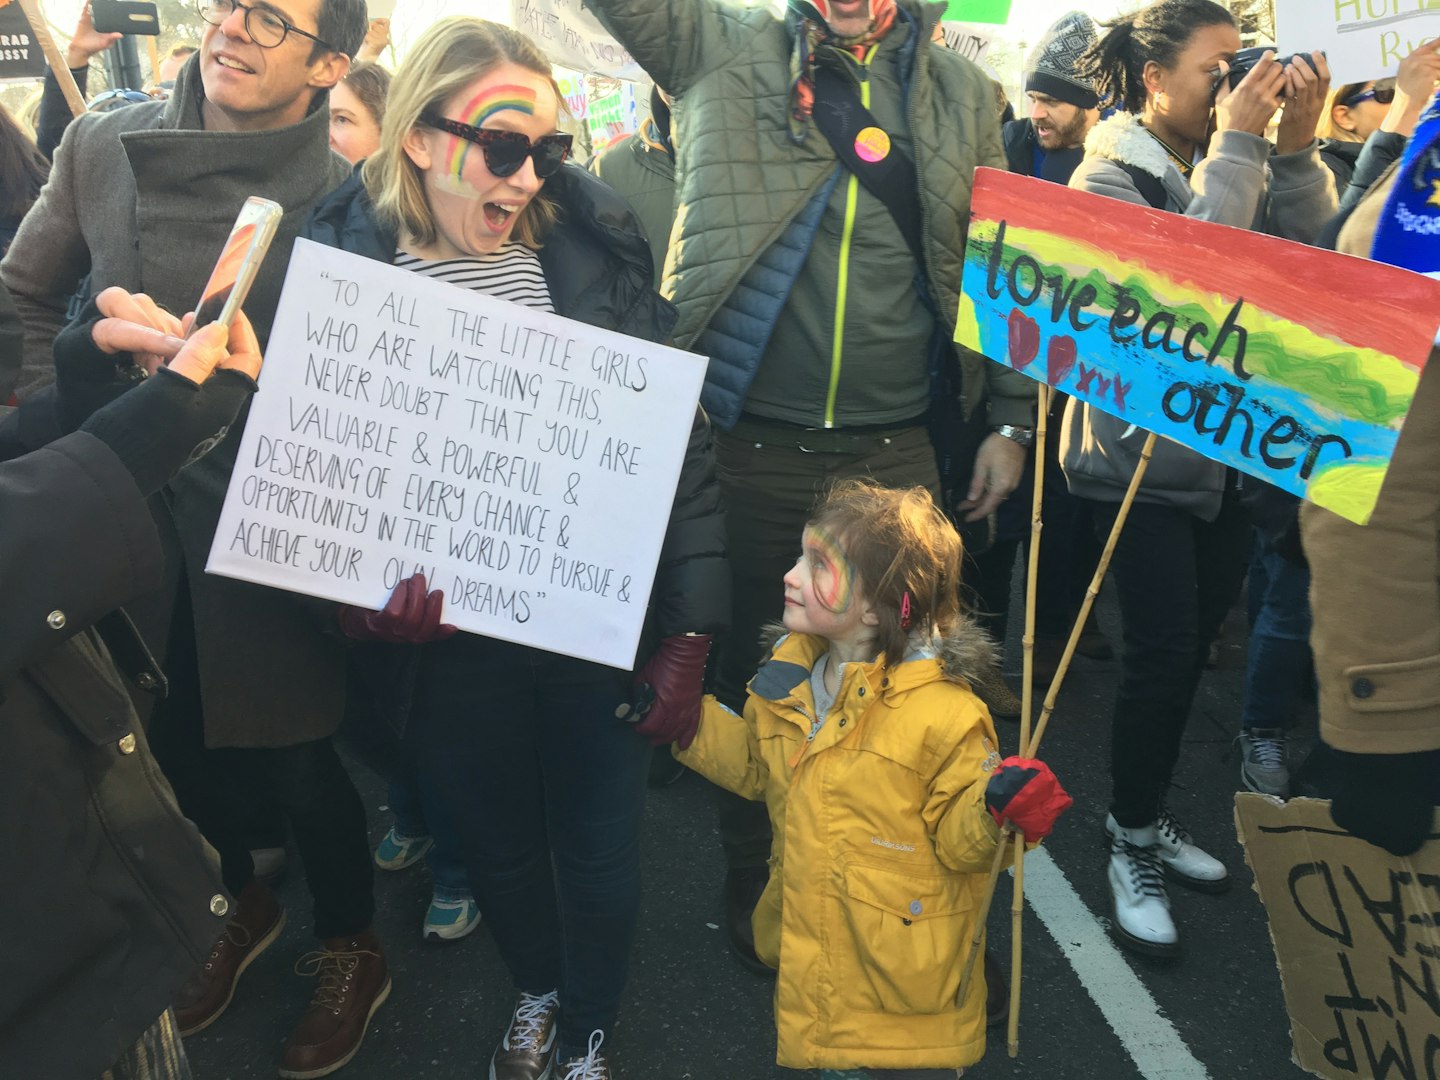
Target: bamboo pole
1093 591
1027 701
1033 747
154 50
53 56
1027 705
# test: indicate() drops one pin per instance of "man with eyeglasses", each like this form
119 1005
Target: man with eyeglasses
144 198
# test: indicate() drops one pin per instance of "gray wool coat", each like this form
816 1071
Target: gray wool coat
144 198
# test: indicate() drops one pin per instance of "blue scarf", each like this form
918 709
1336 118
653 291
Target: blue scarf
1409 232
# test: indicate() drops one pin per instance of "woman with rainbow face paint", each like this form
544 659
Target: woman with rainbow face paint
544 784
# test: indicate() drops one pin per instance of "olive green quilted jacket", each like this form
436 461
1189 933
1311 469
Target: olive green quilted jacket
745 169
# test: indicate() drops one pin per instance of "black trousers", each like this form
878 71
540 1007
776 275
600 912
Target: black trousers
217 789
1176 577
771 481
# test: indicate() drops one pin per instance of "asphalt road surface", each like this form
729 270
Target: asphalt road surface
691 1012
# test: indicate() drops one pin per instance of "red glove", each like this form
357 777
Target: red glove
410 617
676 674
1025 793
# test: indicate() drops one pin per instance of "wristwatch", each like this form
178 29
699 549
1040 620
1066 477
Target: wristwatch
1024 436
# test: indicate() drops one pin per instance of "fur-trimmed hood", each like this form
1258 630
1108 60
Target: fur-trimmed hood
1122 137
966 653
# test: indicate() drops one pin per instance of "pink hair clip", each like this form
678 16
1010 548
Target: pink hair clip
905 611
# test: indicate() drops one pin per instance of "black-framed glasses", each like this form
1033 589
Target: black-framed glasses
506 151
1381 95
266 28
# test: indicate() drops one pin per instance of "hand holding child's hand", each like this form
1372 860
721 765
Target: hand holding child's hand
1025 793
676 673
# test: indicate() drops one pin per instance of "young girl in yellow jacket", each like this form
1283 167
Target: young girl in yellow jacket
885 789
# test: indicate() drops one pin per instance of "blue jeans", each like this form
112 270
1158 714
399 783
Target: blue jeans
419 812
1280 671
546 790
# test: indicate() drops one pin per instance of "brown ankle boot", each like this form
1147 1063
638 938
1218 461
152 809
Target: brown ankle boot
354 981
257 921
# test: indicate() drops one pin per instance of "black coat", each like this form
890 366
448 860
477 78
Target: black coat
598 267
113 897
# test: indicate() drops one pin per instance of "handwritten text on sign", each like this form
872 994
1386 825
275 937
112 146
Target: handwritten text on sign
1207 335
524 462
1357 937
571 37
1362 39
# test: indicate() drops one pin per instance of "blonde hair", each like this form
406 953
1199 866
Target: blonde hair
451 55
901 546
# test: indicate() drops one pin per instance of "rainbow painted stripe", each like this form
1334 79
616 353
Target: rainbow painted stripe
832 574
480 108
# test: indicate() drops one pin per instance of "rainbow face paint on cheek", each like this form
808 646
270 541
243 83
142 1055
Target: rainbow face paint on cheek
832 575
480 108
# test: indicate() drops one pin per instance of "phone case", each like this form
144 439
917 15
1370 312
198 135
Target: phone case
125 17
235 271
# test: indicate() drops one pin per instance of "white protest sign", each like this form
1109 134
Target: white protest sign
1362 39
573 38
970 40
526 463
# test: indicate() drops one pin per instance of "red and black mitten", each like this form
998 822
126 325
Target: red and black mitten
1024 792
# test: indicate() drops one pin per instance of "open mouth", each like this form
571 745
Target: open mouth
497 216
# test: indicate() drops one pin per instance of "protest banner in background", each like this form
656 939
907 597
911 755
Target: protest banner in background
977 11
1362 39
20 55
969 40
1289 363
526 463
572 37
1357 938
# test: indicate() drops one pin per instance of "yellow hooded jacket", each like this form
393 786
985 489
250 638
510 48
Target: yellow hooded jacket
882 843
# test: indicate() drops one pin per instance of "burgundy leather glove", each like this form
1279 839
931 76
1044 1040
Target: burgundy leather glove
676 674
410 617
1024 792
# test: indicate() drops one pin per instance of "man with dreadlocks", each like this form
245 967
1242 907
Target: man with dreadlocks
823 193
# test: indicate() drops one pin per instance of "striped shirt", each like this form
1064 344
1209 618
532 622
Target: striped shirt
512 272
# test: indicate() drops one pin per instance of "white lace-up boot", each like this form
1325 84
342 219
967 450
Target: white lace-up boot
1137 887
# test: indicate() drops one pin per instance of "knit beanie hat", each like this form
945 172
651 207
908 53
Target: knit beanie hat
1051 67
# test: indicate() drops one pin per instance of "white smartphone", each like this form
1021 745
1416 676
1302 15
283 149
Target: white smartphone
235 271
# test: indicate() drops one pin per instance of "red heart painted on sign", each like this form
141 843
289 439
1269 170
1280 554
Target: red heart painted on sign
1024 339
1059 359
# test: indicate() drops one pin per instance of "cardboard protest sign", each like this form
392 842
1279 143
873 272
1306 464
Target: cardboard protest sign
571 37
21 57
1362 39
1289 363
524 462
1357 937
969 40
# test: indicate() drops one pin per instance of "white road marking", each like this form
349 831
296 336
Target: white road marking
1151 1040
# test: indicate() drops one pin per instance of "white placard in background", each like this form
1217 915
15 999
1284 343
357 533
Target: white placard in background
380 9
573 38
525 462
970 40
1362 39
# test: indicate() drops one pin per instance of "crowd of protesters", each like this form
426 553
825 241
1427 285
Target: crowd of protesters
843 703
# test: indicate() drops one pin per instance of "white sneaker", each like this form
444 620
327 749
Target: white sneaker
1141 908
1263 767
1184 862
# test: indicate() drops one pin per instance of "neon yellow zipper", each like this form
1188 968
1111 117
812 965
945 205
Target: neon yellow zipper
852 191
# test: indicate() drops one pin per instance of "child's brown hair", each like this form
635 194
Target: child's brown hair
906 554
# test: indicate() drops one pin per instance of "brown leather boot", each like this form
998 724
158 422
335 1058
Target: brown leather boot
257 921
354 981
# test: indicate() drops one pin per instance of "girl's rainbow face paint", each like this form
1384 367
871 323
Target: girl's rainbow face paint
832 574
475 112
